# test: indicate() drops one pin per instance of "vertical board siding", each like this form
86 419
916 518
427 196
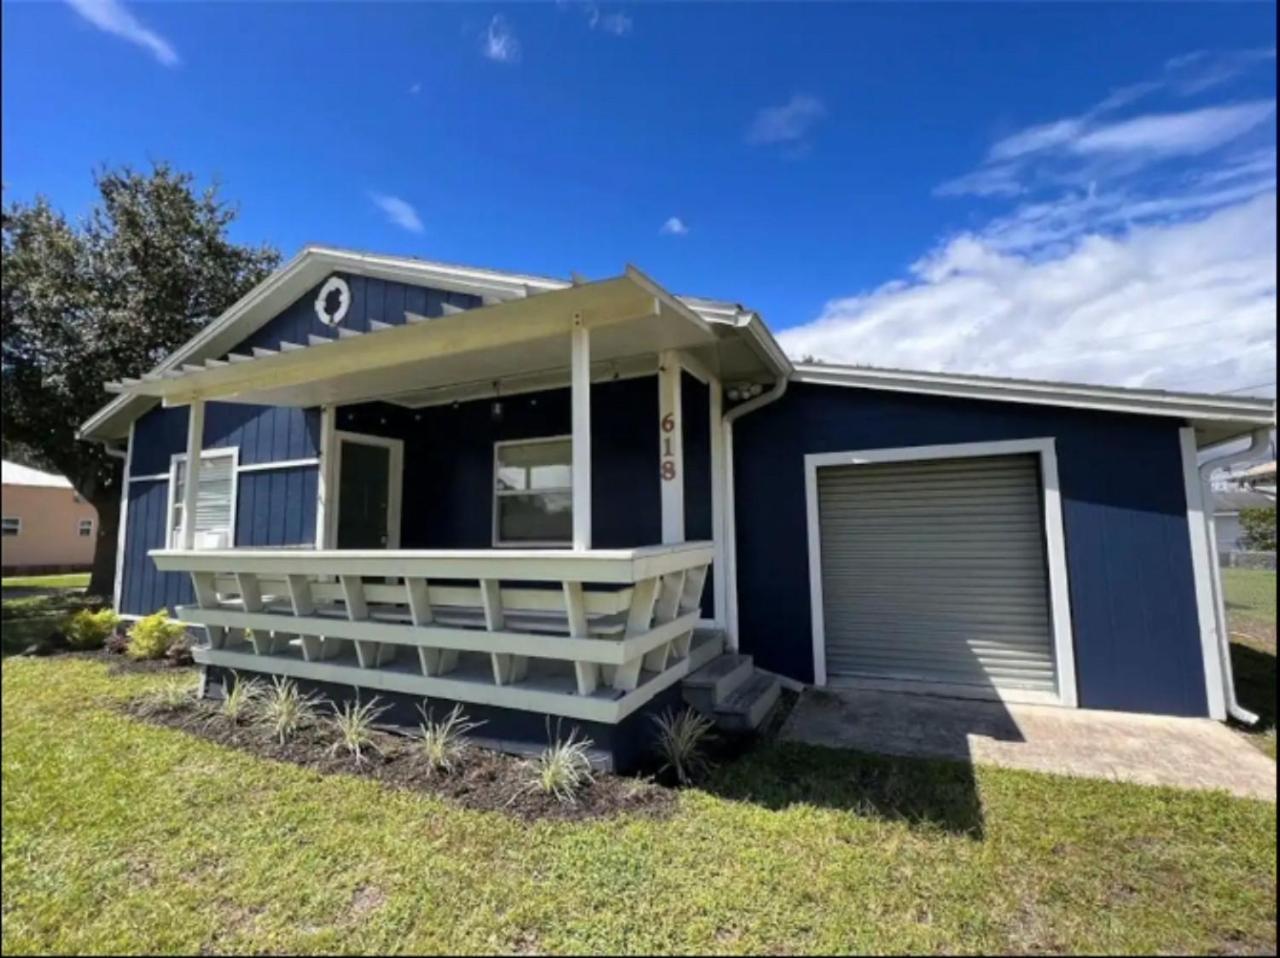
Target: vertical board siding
1137 642
277 507
371 299
695 411
263 433
145 589
274 507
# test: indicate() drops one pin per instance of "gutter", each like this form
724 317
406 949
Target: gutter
1261 442
773 394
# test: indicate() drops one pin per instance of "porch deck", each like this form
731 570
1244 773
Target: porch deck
590 635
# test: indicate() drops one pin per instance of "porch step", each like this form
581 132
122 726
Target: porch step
712 684
732 693
748 704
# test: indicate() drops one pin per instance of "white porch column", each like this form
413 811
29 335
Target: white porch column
670 446
580 387
716 410
191 486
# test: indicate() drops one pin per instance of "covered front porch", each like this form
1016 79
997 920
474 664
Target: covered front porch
518 505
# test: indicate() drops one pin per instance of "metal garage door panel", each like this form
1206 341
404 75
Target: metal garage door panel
934 572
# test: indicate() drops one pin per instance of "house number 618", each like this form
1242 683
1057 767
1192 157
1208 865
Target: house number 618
668 456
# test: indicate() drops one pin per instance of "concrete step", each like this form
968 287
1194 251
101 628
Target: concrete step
747 705
712 684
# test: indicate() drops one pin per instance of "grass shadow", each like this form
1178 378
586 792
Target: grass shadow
922 792
1255 676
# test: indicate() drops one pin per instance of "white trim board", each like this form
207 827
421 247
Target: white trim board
1105 398
1203 554
1055 544
122 530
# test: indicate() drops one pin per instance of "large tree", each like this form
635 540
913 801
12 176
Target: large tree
109 296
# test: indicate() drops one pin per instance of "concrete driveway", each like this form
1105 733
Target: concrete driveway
1150 750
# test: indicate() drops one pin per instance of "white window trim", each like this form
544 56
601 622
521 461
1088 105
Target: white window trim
233 452
495 495
331 473
80 525
17 529
1055 542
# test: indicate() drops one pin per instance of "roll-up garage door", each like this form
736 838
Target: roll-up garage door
934 572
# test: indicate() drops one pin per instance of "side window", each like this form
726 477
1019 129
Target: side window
533 495
215 499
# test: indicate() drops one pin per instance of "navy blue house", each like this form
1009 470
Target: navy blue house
540 497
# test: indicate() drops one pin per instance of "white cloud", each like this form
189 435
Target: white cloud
415 88
618 23
1189 305
112 17
398 211
500 41
1194 131
788 123
674 226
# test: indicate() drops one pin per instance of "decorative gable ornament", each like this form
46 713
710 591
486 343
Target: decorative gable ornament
333 301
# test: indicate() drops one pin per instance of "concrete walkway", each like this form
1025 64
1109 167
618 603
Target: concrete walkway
1151 750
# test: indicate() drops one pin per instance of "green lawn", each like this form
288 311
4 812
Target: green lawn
1251 608
120 836
71 580
31 607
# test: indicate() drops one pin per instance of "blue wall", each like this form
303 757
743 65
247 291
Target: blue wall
448 461
695 411
1137 641
370 299
274 507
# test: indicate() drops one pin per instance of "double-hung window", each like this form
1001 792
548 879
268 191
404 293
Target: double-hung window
533 495
85 528
12 526
215 499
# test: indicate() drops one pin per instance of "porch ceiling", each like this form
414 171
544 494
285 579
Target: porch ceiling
629 318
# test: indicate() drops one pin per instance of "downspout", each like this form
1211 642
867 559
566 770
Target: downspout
773 394
1261 440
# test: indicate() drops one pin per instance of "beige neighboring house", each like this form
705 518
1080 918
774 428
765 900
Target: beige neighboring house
46 527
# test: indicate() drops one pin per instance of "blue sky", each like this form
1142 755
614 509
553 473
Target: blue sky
1071 191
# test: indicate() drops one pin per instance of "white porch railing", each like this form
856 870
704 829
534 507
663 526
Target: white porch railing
589 635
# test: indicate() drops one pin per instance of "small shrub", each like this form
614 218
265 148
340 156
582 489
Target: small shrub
176 695
285 709
563 768
355 725
239 699
89 630
151 637
444 743
681 743
1258 524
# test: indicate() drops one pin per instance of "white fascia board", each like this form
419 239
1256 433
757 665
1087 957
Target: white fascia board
1191 406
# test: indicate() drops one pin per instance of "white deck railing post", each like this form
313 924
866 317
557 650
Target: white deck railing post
474 619
580 397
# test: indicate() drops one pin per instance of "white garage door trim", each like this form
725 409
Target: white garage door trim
1059 597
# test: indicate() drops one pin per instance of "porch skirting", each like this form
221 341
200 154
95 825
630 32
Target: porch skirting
622 746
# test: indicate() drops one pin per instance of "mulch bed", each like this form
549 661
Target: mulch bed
120 664
485 780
